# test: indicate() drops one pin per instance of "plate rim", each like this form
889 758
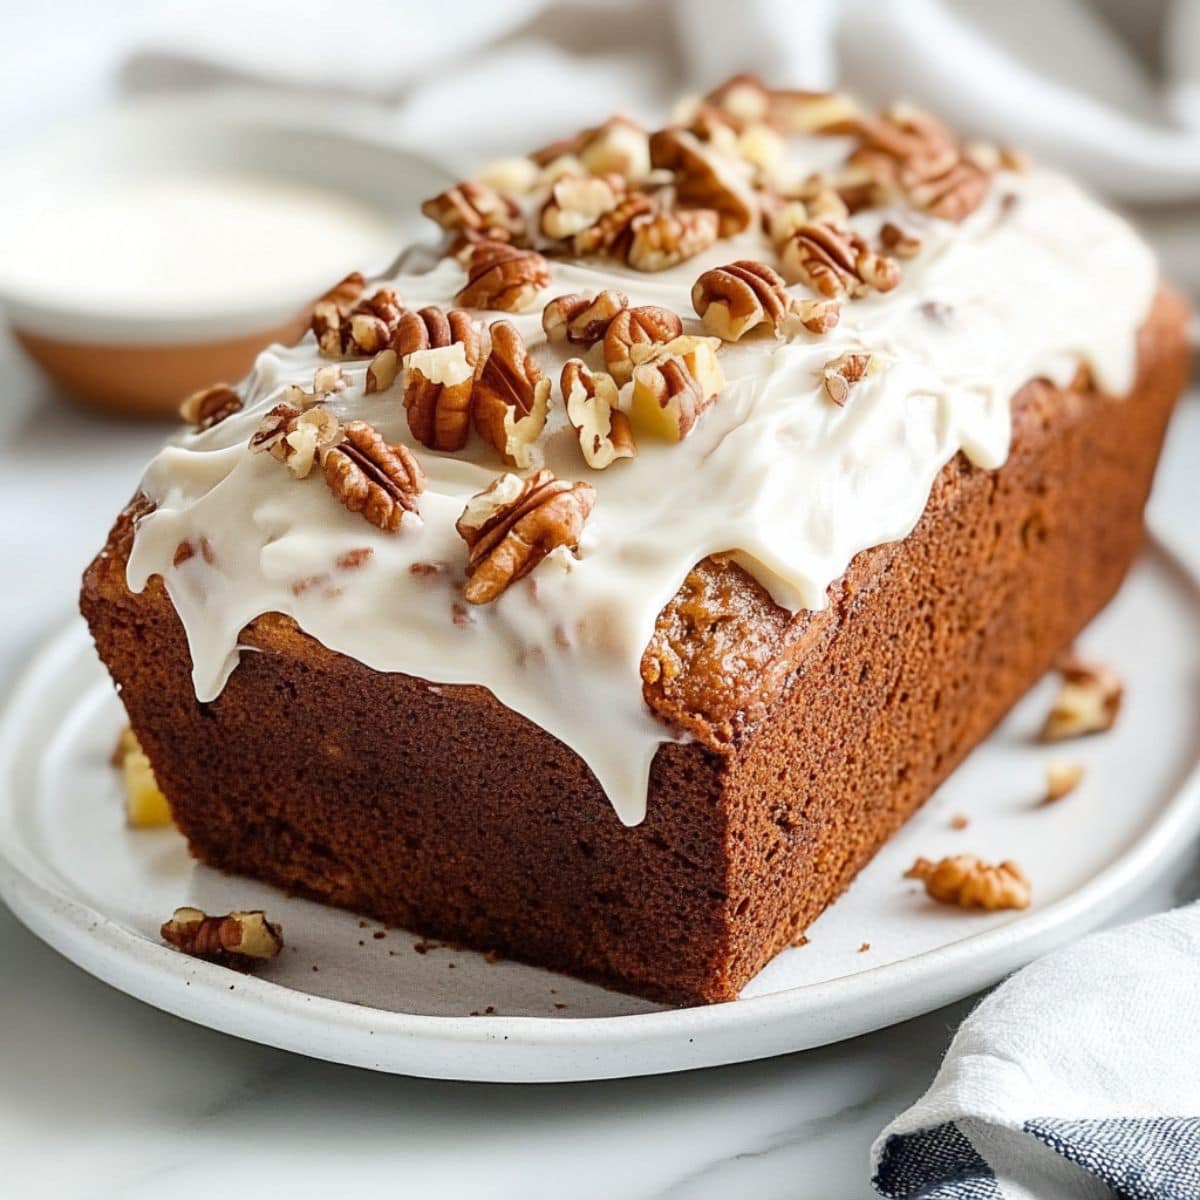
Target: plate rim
151 972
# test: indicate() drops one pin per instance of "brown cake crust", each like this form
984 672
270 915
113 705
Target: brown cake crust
814 736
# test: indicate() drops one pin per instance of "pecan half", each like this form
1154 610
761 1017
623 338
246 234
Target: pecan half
734 299
577 202
236 938
836 261
702 180
842 373
370 477
210 406
643 325
592 401
474 207
582 320
663 238
503 277
511 398
441 352
969 882
512 525
673 384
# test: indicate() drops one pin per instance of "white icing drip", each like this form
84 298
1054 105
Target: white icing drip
773 470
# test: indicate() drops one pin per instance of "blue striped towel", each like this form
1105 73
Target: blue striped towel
1078 1078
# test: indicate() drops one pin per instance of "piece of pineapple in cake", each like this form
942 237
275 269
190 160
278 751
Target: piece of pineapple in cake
145 805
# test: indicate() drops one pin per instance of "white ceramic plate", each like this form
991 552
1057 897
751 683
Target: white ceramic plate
354 993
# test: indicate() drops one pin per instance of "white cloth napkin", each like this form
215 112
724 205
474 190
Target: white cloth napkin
1079 1077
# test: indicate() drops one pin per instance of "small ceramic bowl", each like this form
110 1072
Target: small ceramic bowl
156 249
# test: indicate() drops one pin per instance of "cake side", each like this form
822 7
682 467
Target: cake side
420 805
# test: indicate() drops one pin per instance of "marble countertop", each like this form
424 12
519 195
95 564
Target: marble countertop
102 1096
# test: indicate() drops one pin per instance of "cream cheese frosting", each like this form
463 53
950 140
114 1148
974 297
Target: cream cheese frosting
1037 280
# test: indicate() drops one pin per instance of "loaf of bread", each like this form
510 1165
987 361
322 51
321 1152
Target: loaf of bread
678 674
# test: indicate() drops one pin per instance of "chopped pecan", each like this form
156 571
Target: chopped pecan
237 938
613 232
837 261
969 882
441 353
368 476
331 308
592 402
512 525
619 146
702 180
364 329
272 429
210 406
511 398
503 277
1088 701
577 202
581 320
734 299
673 384
1061 780
308 436
665 237
744 99
474 206
381 371
643 325
843 372
899 242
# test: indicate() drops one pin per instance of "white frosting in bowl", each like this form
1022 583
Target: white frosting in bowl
1037 280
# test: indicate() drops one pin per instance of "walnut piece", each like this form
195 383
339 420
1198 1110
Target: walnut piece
476 207
673 384
734 299
511 398
236 939
307 438
268 436
373 478
581 320
592 400
503 277
646 324
1061 780
702 180
842 373
513 524
969 882
663 238
1088 701
441 352
836 261
210 406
